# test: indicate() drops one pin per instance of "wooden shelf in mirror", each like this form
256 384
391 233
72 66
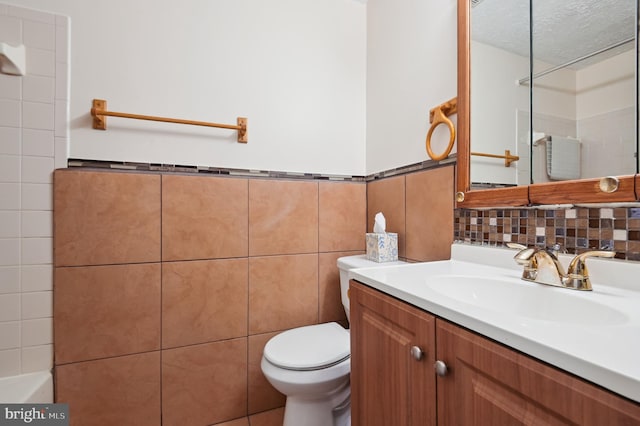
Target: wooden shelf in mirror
497 197
568 192
581 191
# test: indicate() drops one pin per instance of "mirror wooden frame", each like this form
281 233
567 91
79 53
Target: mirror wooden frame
566 192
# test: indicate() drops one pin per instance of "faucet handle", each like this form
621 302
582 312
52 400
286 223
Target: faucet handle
525 255
578 271
516 246
578 264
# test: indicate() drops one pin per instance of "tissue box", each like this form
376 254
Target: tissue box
382 247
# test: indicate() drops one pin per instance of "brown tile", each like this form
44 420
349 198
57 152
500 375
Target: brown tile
430 214
620 246
283 217
620 213
105 218
204 301
387 196
633 246
268 418
283 292
204 384
262 396
330 302
114 391
342 216
619 223
244 421
606 234
204 217
102 311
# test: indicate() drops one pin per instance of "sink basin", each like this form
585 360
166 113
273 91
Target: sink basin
530 300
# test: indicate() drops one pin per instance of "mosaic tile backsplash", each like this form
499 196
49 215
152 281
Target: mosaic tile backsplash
577 229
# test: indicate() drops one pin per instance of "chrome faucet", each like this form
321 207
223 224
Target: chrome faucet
541 265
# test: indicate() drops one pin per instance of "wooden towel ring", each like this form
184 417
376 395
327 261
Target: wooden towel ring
437 116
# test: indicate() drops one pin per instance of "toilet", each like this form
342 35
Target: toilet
311 364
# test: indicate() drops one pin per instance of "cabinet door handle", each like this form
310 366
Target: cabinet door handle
416 353
441 368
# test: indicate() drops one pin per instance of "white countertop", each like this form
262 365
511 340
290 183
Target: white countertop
603 348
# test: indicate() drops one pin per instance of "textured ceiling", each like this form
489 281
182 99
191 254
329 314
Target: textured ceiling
562 30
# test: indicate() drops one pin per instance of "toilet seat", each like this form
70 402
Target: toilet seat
309 348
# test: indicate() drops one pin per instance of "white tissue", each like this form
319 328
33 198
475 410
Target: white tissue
379 224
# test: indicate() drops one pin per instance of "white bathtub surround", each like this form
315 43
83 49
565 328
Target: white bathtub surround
34 134
35 388
577 331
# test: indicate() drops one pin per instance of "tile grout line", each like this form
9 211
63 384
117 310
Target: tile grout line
318 255
161 288
20 237
248 297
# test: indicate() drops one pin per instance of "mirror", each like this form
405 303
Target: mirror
582 97
583 94
500 56
584 89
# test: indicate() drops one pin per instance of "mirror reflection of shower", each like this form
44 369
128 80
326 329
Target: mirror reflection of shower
584 89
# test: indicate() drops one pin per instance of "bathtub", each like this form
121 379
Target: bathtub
34 388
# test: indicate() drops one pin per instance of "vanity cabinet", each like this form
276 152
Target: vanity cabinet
488 383
392 356
485 383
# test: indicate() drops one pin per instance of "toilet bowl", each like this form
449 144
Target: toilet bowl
311 364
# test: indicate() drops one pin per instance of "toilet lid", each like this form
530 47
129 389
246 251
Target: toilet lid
309 348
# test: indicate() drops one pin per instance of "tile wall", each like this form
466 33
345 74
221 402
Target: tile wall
419 207
33 142
576 229
168 286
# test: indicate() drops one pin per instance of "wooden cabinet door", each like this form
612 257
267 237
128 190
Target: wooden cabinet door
389 387
489 384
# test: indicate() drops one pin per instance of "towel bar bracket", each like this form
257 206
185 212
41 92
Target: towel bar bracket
242 131
99 120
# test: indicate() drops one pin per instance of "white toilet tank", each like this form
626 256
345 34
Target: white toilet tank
347 263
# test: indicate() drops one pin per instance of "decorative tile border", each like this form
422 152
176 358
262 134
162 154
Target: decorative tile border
577 229
416 167
171 168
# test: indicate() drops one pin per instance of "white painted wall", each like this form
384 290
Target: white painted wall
295 68
411 68
333 86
